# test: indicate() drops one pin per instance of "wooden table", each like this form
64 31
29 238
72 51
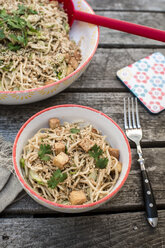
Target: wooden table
122 221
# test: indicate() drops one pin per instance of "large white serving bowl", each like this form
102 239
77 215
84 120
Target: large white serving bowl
84 34
72 113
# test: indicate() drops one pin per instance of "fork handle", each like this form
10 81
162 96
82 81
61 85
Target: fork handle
149 201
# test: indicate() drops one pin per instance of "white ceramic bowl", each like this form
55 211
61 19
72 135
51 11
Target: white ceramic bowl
72 113
88 36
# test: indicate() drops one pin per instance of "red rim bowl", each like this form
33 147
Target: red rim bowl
59 111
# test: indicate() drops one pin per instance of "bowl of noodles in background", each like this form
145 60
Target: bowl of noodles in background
42 71
100 131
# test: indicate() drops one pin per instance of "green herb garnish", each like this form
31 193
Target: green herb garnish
59 75
7 67
72 172
14 29
2 35
74 130
67 28
22 10
22 163
13 47
57 177
44 149
101 163
96 152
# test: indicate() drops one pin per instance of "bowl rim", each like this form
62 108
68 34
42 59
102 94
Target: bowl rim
57 205
67 77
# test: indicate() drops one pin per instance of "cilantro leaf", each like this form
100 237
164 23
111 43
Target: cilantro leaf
101 163
44 149
13 21
3 13
96 152
74 130
22 10
13 47
2 35
57 177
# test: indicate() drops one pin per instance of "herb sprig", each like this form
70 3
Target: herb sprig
22 10
74 130
14 29
57 177
44 149
96 152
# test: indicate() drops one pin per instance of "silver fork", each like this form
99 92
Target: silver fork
134 133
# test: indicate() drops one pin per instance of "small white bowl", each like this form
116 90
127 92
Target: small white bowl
84 34
72 113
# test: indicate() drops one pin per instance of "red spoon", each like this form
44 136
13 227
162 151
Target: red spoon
124 26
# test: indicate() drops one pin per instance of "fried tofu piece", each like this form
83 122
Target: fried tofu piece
60 160
54 122
69 70
77 197
119 166
114 152
86 144
59 147
73 62
94 130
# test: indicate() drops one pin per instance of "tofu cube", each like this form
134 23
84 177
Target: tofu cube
77 197
60 160
59 147
94 130
86 144
54 122
119 167
114 152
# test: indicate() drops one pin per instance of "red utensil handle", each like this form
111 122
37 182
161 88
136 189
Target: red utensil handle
124 26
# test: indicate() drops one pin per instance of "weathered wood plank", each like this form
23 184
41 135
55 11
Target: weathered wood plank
141 5
112 37
129 197
117 230
101 73
12 117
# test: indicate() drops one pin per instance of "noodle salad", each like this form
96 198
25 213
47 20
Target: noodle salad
35 49
70 163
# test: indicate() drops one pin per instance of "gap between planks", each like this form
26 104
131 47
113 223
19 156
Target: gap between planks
128 10
130 46
70 215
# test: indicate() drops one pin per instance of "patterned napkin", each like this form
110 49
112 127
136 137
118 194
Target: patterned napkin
146 80
9 185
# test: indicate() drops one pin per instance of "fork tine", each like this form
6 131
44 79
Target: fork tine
133 114
129 114
125 115
137 114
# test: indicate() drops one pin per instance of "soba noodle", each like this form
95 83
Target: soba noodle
82 175
35 49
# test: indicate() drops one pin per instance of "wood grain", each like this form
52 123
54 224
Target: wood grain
101 73
128 198
140 5
120 230
111 103
122 221
110 37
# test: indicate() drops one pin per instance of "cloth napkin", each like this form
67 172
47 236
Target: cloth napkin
9 184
